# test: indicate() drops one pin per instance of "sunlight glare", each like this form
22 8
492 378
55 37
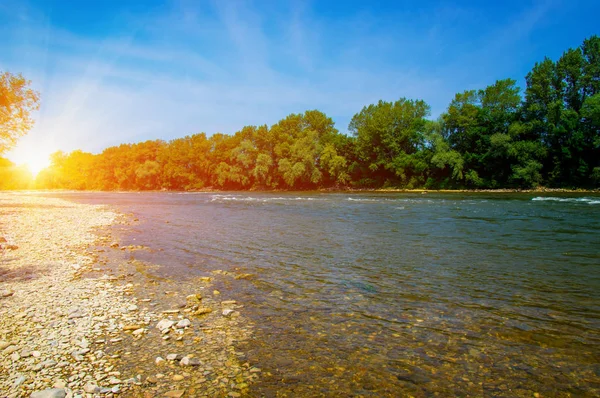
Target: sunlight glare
34 157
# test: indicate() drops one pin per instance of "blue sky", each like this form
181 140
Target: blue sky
112 72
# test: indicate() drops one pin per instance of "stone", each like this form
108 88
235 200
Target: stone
132 307
50 393
177 377
194 298
187 361
152 380
4 344
159 361
10 349
91 388
174 357
227 312
184 323
6 293
138 332
165 324
174 393
19 381
132 327
203 311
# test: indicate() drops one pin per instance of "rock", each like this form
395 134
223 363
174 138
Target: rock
194 298
228 302
170 312
15 356
174 357
132 307
114 244
152 380
177 377
187 361
159 361
4 344
132 327
165 324
6 293
216 292
227 312
138 332
91 388
203 311
234 394
19 381
174 393
184 323
50 393
36 354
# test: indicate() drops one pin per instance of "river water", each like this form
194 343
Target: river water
356 294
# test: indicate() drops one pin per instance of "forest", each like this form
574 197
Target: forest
496 137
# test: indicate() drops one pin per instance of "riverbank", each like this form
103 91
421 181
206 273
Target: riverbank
73 324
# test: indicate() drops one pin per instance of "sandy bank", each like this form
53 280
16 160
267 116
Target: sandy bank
69 326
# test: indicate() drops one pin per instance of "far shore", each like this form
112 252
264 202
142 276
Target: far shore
342 190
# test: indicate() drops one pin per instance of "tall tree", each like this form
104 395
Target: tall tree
389 136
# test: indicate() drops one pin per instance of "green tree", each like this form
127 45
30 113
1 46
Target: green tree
389 136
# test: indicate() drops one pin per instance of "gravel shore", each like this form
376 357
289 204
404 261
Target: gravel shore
71 327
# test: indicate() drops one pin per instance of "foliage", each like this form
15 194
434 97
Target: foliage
17 101
487 138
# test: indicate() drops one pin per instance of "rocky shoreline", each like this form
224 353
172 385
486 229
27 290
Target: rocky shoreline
70 326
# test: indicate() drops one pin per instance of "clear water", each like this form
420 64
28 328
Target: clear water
395 294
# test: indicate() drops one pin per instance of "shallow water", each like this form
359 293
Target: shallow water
394 294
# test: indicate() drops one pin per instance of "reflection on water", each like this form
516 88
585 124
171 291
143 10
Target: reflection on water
396 294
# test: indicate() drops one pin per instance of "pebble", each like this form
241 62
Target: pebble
177 377
50 393
174 393
165 324
187 361
184 323
227 312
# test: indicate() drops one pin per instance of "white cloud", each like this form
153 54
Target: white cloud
217 68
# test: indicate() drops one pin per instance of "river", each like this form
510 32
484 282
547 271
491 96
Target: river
392 294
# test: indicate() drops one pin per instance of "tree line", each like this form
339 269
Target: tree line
495 137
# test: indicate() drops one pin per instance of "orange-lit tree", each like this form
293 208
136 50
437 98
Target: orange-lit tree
17 101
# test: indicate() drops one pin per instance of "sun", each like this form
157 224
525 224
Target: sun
34 157
35 164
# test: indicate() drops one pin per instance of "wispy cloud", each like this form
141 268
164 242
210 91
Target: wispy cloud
187 67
